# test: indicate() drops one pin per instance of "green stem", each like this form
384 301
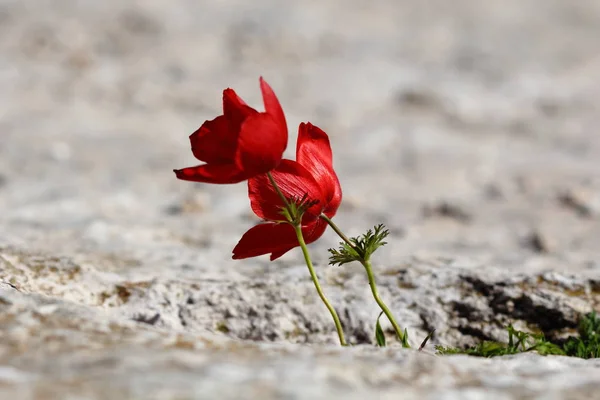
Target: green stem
337 230
384 308
367 264
311 269
315 280
276 187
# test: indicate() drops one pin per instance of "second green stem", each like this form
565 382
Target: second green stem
384 308
367 264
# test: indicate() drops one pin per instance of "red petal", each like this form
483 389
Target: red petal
311 233
276 239
276 254
260 144
293 181
214 142
313 151
272 106
211 173
235 110
264 239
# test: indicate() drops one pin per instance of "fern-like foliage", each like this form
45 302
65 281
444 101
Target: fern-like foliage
362 246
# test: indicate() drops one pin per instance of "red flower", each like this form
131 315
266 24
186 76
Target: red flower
311 174
239 144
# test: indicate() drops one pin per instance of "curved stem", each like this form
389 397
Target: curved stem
367 264
276 187
336 229
315 280
311 269
384 308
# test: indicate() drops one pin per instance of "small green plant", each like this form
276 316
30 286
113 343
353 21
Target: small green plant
379 335
360 249
587 345
518 342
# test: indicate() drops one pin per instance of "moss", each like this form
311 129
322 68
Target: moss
222 327
585 345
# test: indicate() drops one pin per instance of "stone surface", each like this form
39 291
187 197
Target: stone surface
57 349
469 129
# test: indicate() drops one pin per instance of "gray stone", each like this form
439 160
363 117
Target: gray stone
468 129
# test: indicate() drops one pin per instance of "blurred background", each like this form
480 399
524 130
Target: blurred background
470 128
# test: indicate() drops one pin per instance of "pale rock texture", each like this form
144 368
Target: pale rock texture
469 128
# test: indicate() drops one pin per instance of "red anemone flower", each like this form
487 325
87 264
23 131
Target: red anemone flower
239 144
312 175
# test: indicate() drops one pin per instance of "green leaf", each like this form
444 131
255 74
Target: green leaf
360 248
345 254
379 335
405 343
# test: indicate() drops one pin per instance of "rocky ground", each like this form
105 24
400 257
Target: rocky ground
468 128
